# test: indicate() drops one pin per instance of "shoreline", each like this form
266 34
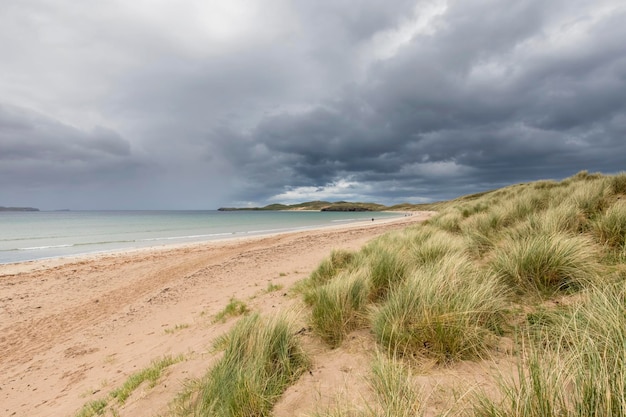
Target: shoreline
72 329
11 268
170 242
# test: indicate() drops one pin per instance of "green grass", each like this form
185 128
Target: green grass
436 246
176 328
338 307
387 269
271 287
396 395
234 308
150 374
610 226
330 267
93 408
446 311
586 376
546 263
261 358
617 183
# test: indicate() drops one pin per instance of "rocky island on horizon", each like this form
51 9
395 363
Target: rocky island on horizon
2 208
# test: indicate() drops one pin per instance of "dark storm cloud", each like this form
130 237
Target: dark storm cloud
35 149
210 103
502 92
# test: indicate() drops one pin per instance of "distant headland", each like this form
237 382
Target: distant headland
312 206
331 206
18 209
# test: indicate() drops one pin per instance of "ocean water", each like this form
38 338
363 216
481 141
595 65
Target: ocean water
26 236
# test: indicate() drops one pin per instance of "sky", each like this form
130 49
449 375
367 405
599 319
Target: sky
199 104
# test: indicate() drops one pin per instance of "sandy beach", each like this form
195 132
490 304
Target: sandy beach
74 329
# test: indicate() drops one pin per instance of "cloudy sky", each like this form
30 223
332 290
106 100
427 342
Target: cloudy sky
163 104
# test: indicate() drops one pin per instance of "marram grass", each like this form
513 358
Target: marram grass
338 307
330 267
446 311
546 263
261 359
610 227
396 394
234 308
388 268
586 376
437 246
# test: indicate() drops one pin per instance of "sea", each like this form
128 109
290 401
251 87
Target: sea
27 236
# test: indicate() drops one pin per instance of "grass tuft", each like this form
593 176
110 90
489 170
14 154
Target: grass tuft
271 287
262 357
337 307
93 408
617 183
584 377
437 246
446 311
545 264
330 267
611 226
233 308
388 268
396 395
150 374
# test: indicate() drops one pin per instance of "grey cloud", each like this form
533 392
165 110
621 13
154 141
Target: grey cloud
298 96
40 150
545 112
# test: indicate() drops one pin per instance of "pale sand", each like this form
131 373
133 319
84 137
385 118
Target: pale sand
72 330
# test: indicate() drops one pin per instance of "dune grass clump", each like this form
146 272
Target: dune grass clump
396 395
234 308
518 209
482 231
337 307
546 263
617 183
330 267
448 220
262 358
584 377
599 328
446 311
598 352
93 408
150 374
388 268
437 246
471 209
590 197
610 227
565 218
536 391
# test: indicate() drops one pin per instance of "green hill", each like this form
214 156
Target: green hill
314 206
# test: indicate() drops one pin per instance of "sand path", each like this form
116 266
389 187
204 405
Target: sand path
71 330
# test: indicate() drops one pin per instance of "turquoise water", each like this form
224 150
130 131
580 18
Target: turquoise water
28 236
